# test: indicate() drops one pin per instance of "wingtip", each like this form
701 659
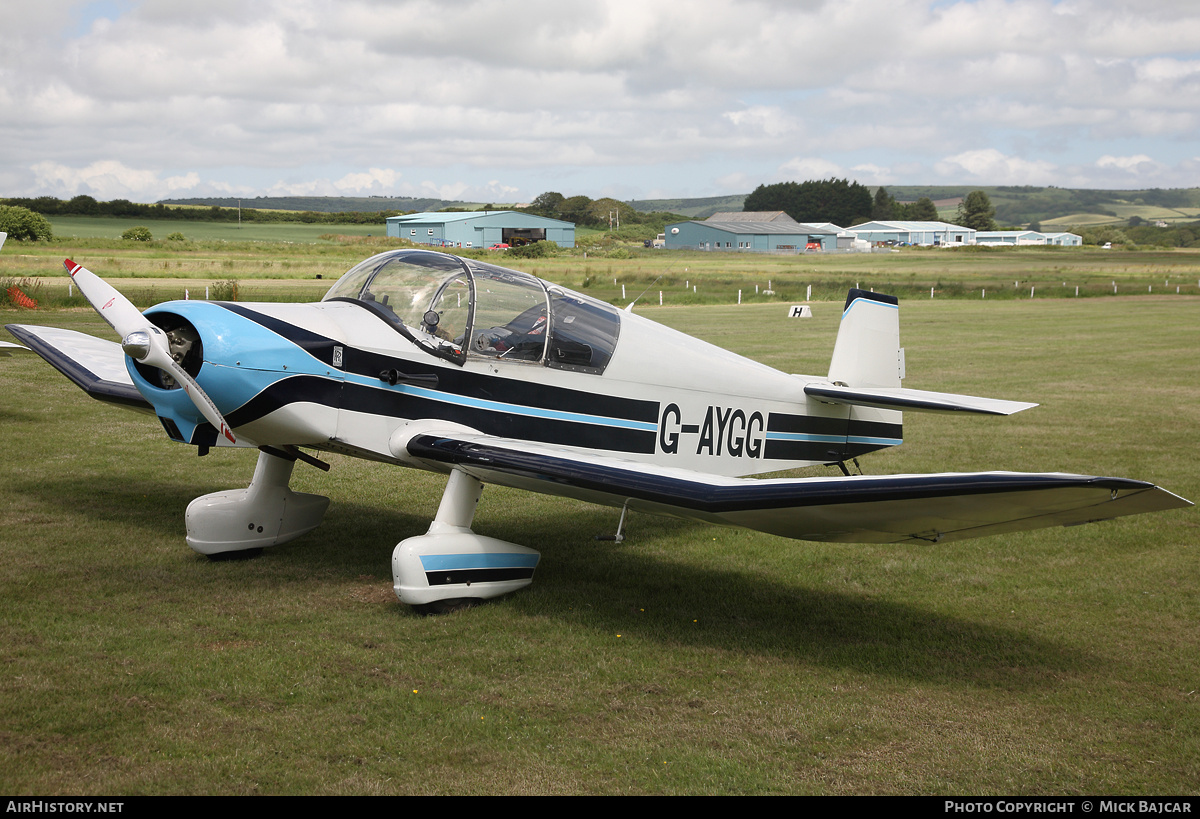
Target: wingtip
70 266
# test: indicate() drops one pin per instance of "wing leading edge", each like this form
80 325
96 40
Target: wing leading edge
862 509
94 365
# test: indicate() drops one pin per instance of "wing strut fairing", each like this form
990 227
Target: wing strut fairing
864 509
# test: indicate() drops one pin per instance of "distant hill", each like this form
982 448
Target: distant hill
693 208
1015 204
325 204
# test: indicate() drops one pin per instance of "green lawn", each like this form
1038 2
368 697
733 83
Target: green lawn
84 227
686 660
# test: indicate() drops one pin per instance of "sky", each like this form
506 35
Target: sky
499 101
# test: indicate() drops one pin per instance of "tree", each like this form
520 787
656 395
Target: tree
24 225
885 206
831 200
603 211
548 204
923 210
575 210
976 212
83 205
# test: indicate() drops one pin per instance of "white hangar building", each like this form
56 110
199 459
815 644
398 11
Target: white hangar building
480 229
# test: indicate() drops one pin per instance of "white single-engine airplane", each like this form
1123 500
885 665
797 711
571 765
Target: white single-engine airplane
490 375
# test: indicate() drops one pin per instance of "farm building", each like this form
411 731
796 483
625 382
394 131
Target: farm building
914 233
1010 237
752 216
748 236
1027 237
480 229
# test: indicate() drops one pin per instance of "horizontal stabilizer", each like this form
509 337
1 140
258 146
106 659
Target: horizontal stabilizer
899 398
860 509
95 366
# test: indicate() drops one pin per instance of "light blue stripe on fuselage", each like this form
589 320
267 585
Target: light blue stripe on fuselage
512 409
832 439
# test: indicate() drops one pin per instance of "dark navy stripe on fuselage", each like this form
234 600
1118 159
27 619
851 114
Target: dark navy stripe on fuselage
812 438
503 406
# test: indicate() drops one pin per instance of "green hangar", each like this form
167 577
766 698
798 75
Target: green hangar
480 229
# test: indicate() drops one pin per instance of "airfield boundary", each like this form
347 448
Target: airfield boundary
688 659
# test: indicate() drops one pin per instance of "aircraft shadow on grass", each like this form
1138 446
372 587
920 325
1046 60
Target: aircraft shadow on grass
614 587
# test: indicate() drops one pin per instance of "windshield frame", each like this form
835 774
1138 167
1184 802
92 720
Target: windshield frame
415 282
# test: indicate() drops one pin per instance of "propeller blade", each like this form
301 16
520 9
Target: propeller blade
142 341
114 308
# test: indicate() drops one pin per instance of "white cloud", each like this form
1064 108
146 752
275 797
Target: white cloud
634 95
811 167
1127 163
989 166
109 179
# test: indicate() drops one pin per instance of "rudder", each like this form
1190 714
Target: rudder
867 351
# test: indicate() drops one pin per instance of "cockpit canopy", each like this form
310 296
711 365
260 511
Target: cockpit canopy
454 307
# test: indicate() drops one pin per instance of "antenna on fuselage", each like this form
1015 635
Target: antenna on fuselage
629 307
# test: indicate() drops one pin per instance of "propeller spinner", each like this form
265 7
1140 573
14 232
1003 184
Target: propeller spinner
142 341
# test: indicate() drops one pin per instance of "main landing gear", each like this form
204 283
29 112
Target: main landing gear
266 513
450 566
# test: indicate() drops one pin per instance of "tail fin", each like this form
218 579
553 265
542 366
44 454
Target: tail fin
867 351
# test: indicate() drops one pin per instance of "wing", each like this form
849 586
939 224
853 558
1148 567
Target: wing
95 365
862 509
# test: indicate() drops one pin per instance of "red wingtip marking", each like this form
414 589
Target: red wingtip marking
70 266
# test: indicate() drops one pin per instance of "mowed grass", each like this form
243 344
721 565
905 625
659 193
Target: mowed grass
79 227
687 659
273 270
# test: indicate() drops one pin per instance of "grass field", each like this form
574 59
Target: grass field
87 227
159 270
686 660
